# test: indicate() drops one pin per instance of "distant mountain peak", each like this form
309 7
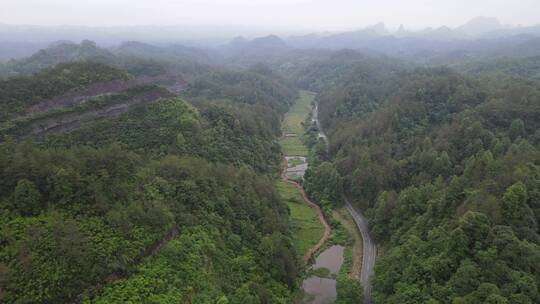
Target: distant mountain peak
379 28
238 40
444 28
268 41
480 25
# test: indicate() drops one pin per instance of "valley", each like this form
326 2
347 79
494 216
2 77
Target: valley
369 249
374 166
320 285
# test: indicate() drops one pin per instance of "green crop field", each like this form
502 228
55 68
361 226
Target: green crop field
306 228
292 124
293 146
298 113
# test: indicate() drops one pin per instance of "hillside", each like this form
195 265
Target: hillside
20 93
130 182
393 166
448 169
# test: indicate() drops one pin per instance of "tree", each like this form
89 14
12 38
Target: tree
324 183
27 198
349 291
517 129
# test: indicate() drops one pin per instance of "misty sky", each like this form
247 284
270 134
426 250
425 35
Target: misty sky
294 14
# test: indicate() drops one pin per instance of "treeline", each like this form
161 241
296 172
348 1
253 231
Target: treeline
448 169
81 209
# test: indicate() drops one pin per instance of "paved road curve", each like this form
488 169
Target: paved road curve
369 251
368 246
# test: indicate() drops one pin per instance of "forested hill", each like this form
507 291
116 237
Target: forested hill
332 71
145 174
257 85
168 200
59 53
137 58
19 93
448 169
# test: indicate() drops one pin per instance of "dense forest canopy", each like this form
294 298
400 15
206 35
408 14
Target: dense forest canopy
21 92
146 173
181 182
448 170
257 85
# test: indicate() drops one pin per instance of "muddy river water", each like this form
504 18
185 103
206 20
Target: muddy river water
320 290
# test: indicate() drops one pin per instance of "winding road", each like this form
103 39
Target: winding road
368 246
369 251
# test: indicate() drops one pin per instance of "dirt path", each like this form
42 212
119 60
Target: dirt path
345 218
311 204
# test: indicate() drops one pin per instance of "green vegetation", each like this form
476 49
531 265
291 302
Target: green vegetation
293 146
71 217
348 287
342 66
220 133
293 126
166 202
295 117
25 125
349 290
324 185
21 92
85 211
257 85
251 261
445 166
295 161
174 199
306 229
528 67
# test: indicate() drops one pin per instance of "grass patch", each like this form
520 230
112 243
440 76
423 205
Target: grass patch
354 250
305 226
296 161
293 124
293 146
294 119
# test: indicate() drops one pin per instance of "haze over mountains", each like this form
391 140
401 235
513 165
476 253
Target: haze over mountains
481 34
231 165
